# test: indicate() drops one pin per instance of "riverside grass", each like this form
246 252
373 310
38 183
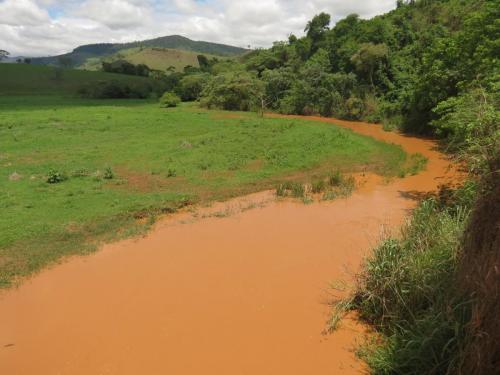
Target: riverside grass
122 163
408 292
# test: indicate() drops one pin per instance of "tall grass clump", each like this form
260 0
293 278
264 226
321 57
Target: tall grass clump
293 189
407 292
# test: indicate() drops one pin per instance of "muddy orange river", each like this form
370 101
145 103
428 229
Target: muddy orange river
224 290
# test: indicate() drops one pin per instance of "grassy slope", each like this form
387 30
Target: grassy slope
33 79
155 58
211 155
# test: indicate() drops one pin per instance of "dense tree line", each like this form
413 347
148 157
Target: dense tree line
124 67
398 68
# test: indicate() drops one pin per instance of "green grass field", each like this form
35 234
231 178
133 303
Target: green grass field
158 159
22 79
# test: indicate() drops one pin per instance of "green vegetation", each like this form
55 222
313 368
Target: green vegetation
335 186
75 171
162 59
24 79
169 100
407 292
399 68
430 293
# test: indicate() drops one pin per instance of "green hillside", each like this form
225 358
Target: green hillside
18 79
155 58
81 54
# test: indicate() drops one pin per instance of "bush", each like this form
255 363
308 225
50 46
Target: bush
191 86
169 100
108 173
354 108
55 177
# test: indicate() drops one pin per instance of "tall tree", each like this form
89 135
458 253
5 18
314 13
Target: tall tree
368 58
316 29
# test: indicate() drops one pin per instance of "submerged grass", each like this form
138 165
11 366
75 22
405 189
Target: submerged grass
335 186
74 172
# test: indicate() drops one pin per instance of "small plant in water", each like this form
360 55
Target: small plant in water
298 190
329 195
335 179
347 186
318 186
55 177
281 190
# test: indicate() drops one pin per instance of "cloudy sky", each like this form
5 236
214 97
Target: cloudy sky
48 27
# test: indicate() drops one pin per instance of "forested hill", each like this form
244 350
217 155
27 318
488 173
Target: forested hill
403 68
82 53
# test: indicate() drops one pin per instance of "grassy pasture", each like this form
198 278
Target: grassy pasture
158 159
22 79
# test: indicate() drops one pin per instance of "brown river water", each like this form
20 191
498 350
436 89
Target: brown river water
225 290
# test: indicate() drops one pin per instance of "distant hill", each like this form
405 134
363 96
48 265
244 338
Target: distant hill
82 54
157 58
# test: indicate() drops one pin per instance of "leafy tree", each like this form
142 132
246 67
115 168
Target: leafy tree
316 30
277 83
261 60
191 86
3 54
369 58
203 63
124 67
470 124
233 91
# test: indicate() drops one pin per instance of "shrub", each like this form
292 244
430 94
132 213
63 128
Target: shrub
55 177
354 108
169 100
108 173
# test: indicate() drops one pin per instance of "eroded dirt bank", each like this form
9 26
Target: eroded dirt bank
241 294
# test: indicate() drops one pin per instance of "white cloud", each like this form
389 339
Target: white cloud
116 14
46 27
22 13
